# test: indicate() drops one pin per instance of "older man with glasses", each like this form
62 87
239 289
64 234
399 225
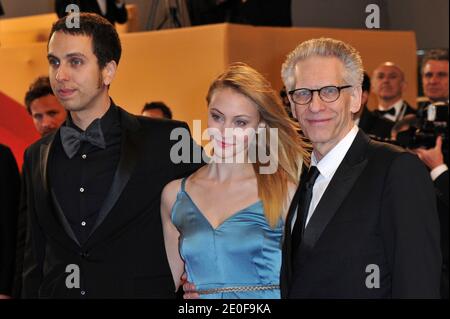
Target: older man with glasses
363 222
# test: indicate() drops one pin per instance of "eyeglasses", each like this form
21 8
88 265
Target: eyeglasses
327 94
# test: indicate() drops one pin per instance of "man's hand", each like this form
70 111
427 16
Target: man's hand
432 157
190 292
5 297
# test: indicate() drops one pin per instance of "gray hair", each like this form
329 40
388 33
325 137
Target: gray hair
435 54
324 47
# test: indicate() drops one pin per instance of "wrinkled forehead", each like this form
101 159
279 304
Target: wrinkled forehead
316 72
388 69
436 66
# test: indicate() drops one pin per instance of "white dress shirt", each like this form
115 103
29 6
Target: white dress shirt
437 171
327 166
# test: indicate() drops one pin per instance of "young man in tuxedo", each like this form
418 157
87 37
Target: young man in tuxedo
93 187
363 223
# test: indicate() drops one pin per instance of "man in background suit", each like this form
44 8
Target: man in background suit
434 72
93 187
434 159
45 110
112 10
369 122
363 223
388 82
9 205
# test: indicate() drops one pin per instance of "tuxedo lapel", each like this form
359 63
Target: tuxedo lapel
48 197
337 191
43 163
127 162
62 218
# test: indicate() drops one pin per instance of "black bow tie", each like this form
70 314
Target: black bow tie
71 138
390 111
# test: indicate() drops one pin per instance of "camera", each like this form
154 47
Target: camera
422 130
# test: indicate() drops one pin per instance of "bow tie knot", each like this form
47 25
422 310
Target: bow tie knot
71 138
391 111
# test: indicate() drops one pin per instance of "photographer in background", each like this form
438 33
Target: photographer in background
435 86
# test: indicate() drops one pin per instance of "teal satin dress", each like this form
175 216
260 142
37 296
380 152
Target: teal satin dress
244 251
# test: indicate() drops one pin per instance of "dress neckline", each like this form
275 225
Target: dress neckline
183 189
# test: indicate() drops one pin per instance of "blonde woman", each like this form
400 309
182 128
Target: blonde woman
223 225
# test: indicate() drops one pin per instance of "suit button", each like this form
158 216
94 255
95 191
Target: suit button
84 255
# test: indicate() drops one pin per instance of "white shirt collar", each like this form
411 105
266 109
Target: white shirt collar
331 161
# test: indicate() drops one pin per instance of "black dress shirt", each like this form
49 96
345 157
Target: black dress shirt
81 184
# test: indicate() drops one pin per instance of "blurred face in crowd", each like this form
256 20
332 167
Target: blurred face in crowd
435 80
388 83
155 113
47 114
364 99
230 113
325 123
75 76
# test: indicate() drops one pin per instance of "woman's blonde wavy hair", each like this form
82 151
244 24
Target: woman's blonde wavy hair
292 148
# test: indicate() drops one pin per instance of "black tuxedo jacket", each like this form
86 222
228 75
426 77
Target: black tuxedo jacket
124 257
113 14
442 191
372 124
9 201
378 212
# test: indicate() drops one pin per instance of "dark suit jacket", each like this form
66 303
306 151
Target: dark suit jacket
113 14
379 209
441 186
373 124
9 201
124 257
